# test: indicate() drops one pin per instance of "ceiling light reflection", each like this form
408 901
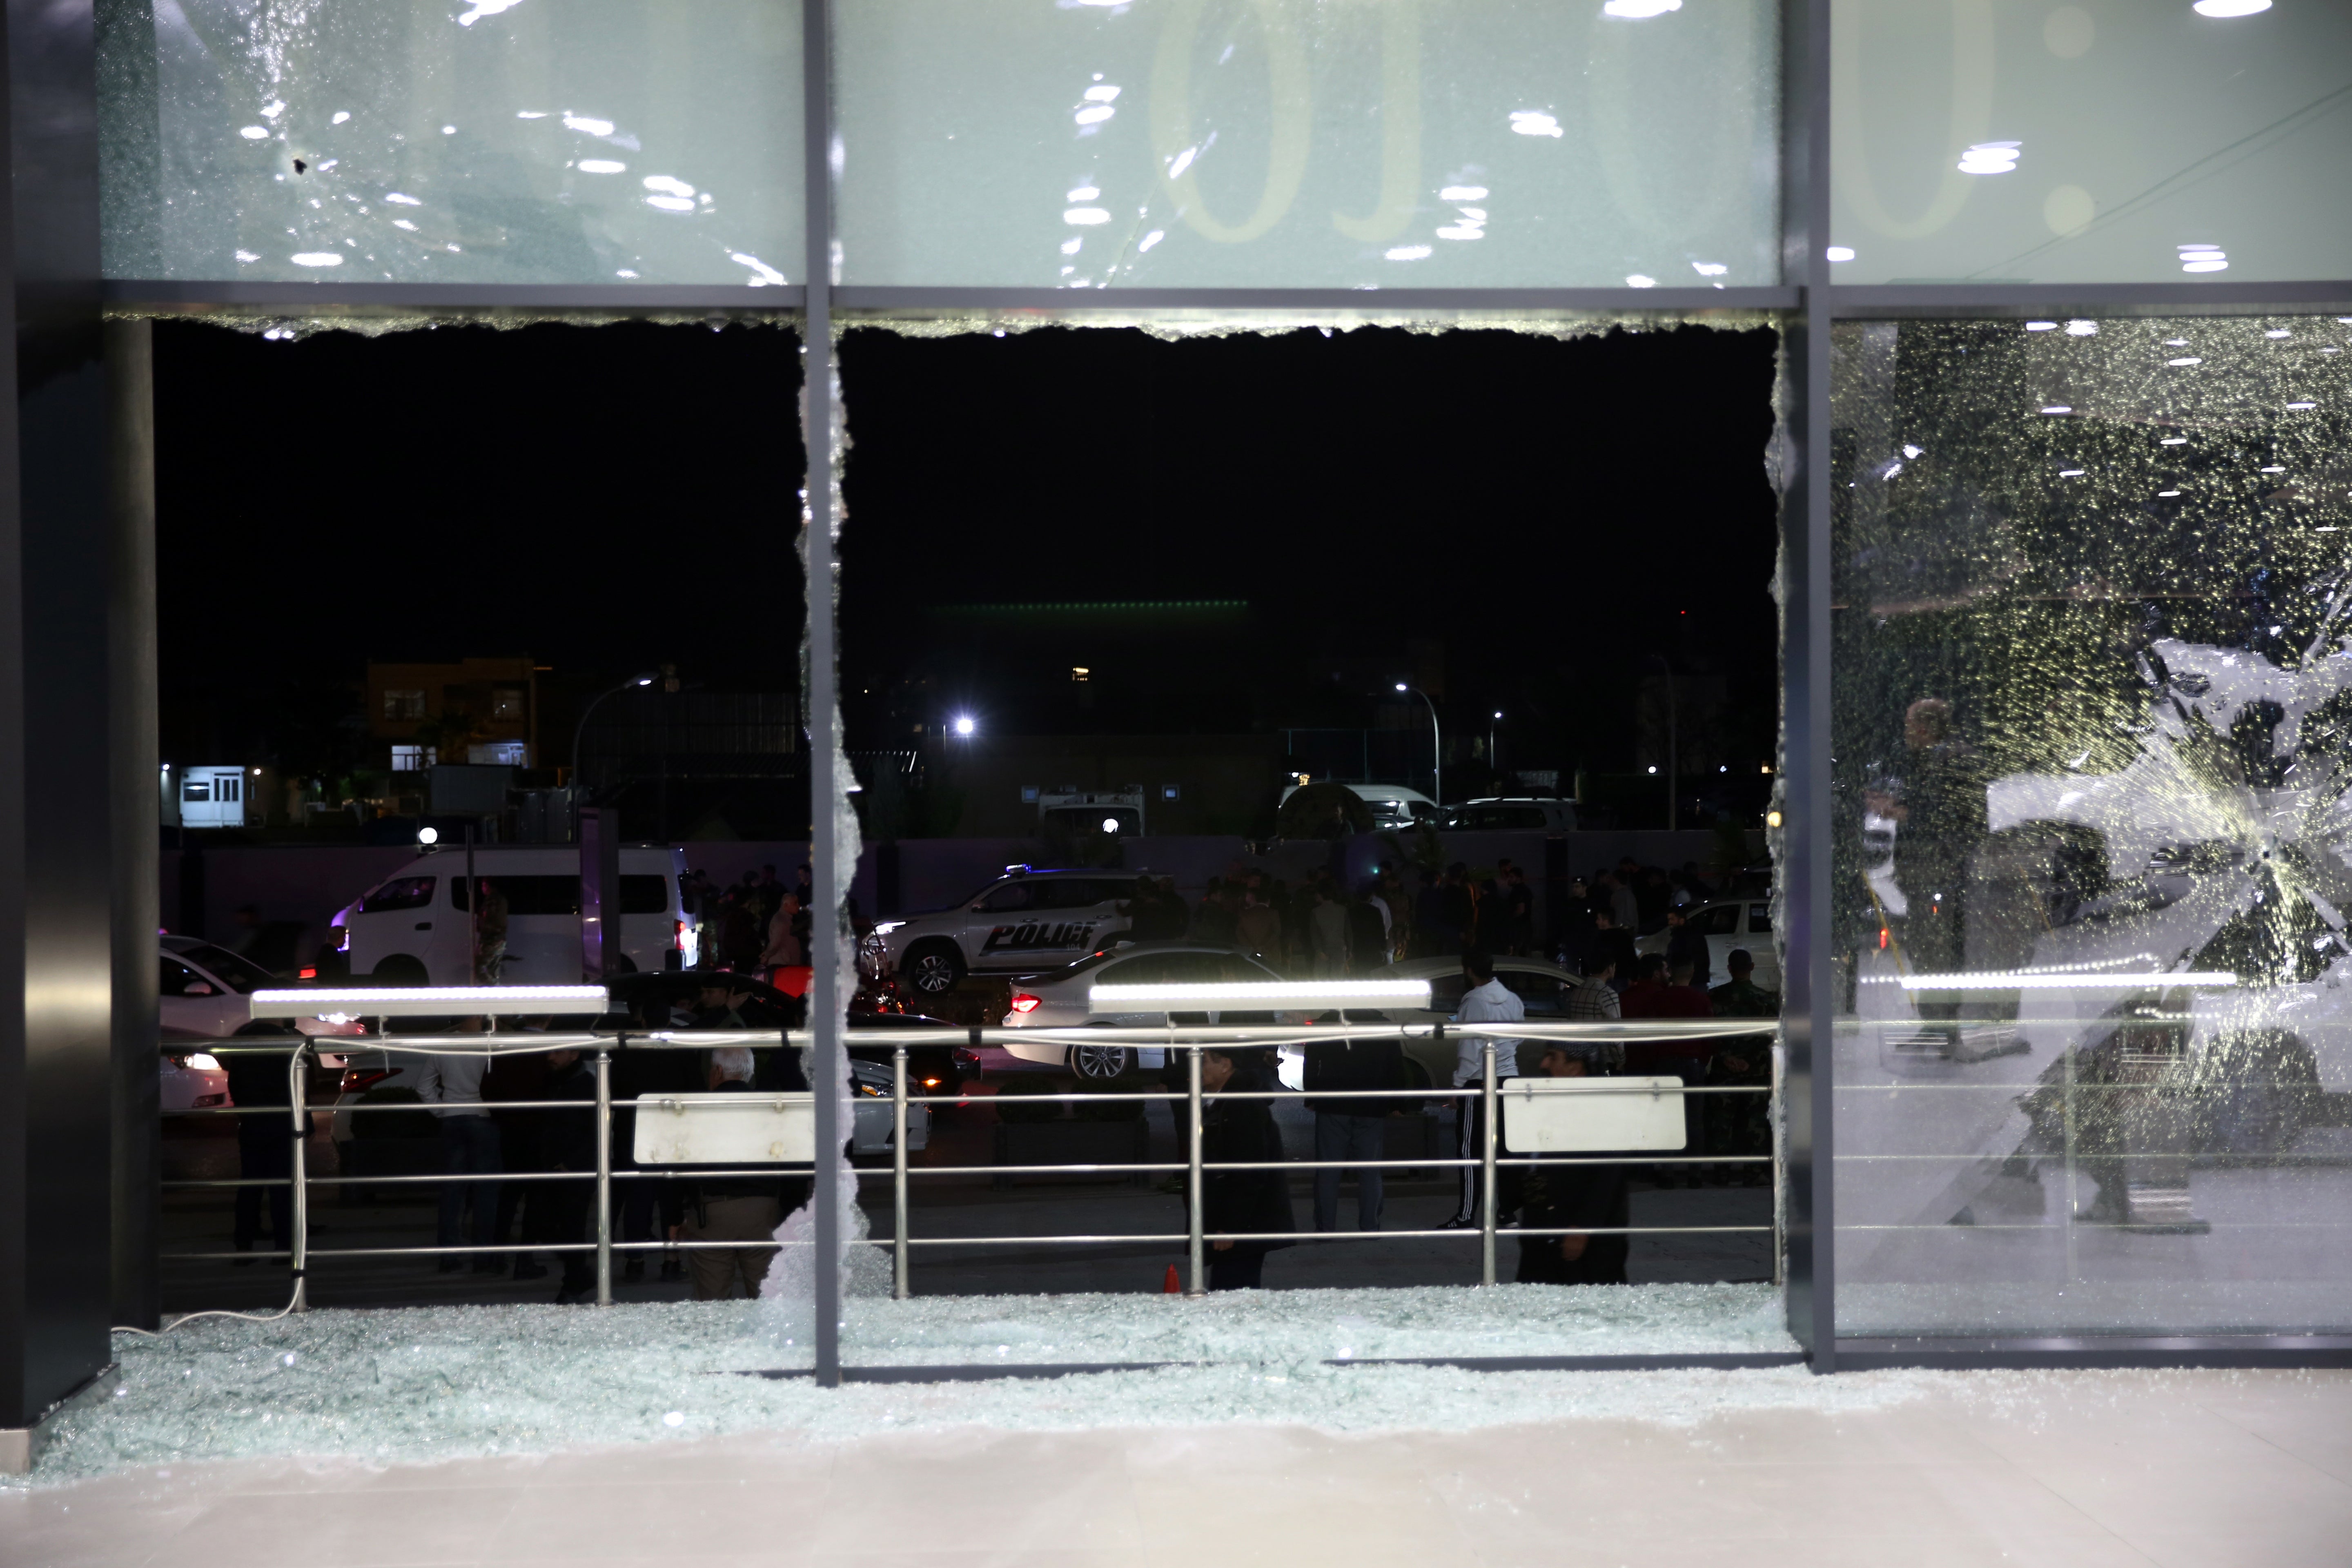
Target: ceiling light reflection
1840 252
1463 193
587 126
1410 252
1640 10
1991 158
600 166
1088 215
2225 9
1535 122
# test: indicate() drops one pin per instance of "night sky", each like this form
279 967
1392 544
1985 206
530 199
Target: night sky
1548 516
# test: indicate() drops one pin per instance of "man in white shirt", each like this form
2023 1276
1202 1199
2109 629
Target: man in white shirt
1486 1000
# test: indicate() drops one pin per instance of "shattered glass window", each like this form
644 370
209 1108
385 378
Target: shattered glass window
2093 688
1235 142
483 142
2010 142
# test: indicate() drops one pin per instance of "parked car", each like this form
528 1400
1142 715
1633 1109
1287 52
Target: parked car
1022 921
1545 814
1729 923
1058 999
414 927
1395 806
193 1079
204 987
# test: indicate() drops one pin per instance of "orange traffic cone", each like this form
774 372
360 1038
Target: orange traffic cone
1172 1285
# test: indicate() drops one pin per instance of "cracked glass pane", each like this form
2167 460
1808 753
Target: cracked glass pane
2013 142
2093 679
488 141
1416 143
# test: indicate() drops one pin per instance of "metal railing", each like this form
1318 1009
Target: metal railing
1193 1040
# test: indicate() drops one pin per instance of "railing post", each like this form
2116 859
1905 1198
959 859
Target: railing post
1487 1108
1773 1115
901 1288
1197 1284
297 1096
603 1176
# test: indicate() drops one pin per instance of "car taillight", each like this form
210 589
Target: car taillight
677 935
308 974
1025 1002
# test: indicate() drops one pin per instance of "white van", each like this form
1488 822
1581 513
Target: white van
413 928
1394 807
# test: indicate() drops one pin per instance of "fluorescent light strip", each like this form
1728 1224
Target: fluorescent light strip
1295 995
2011 981
428 1001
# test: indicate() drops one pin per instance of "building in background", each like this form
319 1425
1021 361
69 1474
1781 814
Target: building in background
484 711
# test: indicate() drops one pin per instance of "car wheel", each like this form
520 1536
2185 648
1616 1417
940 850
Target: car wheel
932 969
1100 1061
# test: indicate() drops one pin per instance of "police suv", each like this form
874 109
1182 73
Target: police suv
1025 921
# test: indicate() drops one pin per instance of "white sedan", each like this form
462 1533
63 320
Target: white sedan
1058 1000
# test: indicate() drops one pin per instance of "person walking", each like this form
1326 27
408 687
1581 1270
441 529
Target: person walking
1484 1000
1258 928
258 1088
1351 1129
1326 925
1685 944
729 1208
451 1082
1240 1131
570 1147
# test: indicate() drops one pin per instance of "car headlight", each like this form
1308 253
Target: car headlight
203 1062
883 927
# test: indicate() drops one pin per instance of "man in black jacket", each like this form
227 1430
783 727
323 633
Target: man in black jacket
568 1143
1240 1131
1350 1130
1563 1197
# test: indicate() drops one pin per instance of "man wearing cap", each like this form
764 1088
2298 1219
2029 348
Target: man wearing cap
1559 1196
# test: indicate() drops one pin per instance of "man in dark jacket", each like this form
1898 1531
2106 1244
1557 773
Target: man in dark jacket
1685 944
1350 1130
1240 1131
568 1143
1558 1196
258 1087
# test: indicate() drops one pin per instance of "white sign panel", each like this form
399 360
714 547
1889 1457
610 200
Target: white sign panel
734 1129
1590 1115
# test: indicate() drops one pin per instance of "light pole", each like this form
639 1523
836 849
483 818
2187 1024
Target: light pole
1494 758
1437 746
580 728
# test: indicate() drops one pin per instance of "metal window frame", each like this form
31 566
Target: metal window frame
1807 303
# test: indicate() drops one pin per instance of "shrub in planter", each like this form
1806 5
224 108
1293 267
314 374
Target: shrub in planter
1015 1104
1111 1110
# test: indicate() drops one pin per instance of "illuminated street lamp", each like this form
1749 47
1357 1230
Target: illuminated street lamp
1437 745
965 726
580 729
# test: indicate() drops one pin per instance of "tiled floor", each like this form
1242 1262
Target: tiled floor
2098 1470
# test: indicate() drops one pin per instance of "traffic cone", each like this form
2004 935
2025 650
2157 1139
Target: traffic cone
1171 1285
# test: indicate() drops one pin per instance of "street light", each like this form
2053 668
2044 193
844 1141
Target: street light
1437 745
1491 754
582 727
966 726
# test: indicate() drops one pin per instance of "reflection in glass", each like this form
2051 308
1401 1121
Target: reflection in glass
1409 144
373 140
2093 688
2003 142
